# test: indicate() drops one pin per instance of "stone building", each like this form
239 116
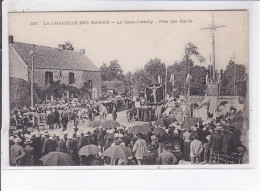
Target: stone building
50 65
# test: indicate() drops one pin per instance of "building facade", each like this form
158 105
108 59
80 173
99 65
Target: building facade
49 65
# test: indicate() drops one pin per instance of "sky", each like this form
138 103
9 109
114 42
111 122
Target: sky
133 45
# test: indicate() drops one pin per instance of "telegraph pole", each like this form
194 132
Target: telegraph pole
212 27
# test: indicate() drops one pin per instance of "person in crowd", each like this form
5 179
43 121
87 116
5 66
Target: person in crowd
64 120
17 153
114 114
85 140
61 144
139 149
56 117
166 157
216 140
50 119
72 150
28 159
48 145
101 138
196 149
229 141
186 146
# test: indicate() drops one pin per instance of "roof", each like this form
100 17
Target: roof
53 58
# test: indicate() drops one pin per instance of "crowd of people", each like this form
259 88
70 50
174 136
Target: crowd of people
171 135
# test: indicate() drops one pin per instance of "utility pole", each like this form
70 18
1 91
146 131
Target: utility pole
32 76
212 27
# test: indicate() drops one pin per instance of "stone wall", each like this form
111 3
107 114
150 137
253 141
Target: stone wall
95 77
80 77
62 75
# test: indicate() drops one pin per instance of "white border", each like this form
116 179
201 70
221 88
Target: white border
32 6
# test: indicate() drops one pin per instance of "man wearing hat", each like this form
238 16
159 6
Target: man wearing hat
64 120
229 140
16 153
139 149
37 145
48 145
216 139
29 150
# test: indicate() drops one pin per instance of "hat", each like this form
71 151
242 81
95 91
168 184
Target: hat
11 138
65 132
28 141
120 135
70 136
218 128
33 134
193 128
17 140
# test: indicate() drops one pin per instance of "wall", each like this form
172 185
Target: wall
17 68
95 77
62 75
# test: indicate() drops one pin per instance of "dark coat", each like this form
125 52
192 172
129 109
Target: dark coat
86 140
48 146
216 141
61 146
101 138
65 119
50 118
228 142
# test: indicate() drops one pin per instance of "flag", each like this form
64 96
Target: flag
172 79
131 79
219 77
159 79
188 78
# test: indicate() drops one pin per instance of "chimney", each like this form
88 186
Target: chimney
11 39
82 51
61 46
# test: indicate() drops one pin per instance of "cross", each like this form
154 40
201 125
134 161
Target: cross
154 89
212 27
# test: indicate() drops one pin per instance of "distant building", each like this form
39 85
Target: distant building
69 67
114 87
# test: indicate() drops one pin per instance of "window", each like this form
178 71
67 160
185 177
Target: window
71 78
48 77
90 84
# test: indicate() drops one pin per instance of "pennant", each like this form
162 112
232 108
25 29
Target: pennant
188 78
172 79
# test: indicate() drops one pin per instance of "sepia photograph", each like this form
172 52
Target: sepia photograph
128 88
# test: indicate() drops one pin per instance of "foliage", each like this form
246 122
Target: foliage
227 80
141 78
112 71
156 67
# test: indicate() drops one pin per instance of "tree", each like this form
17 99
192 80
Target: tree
184 67
104 72
115 72
141 78
198 82
228 87
156 67
112 71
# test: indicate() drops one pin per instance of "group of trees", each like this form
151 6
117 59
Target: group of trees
155 67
